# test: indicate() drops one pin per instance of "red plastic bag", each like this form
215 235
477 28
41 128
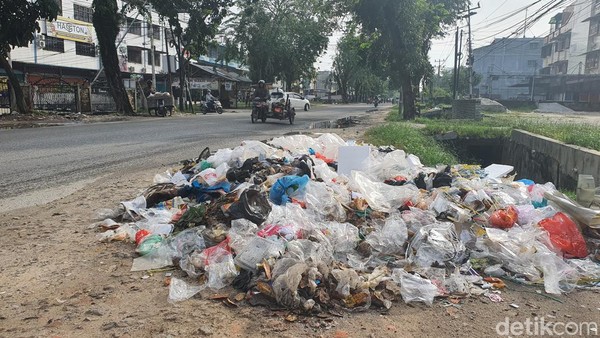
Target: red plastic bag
140 235
565 235
504 218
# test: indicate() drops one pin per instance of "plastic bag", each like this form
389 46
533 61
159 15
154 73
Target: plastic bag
347 280
220 157
391 237
343 236
565 235
305 250
321 201
220 269
123 233
256 250
177 247
252 205
242 231
295 144
586 216
436 243
286 281
559 277
414 288
288 187
504 218
179 290
514 248
380 196
529 215
330 144
149 244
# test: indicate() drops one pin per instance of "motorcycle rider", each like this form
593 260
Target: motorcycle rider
210 100
261 91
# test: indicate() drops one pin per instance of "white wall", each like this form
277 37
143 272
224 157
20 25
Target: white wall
35 55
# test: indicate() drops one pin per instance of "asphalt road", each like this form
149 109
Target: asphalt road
51 158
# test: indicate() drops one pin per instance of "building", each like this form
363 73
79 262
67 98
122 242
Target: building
62 67
571 53
507 67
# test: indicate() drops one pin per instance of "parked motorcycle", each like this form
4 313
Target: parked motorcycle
217 107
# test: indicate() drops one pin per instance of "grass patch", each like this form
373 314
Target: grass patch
406 137
501 125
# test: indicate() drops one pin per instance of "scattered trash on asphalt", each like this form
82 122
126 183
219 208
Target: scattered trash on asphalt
275 224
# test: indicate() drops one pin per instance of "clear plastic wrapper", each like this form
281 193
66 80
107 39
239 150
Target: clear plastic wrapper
295 144
221 156
242 231
343 236
321 201
436 243
391 237
347 280
179 290
286 281
221 269
256 250
330 144
414 288
380 196
558 276
586 216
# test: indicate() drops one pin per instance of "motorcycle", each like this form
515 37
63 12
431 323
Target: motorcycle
280 109
216 107
376 102
260 107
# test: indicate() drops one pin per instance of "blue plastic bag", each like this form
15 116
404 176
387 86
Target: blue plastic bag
287 187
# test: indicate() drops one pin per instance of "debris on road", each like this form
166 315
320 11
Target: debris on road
274 224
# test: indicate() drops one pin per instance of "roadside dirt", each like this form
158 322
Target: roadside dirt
57 280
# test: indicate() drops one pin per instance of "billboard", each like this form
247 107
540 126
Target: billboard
70 29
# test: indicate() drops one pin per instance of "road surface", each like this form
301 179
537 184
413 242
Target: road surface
41 164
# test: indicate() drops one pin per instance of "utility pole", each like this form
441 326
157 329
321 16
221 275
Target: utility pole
460 46
533 83
152 47
169 79
455 72
439 62
470 59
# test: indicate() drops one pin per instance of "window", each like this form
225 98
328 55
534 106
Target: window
85 49
82 13
135 26
156 58
532 63
134 55
55 44
155 32
59 3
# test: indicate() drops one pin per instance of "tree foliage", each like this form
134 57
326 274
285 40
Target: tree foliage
202 21
402 32
281 38
192 40
18 24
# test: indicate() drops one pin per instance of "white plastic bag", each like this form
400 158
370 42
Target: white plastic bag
380 196
391 237
414 288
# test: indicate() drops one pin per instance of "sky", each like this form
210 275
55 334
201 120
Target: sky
495 19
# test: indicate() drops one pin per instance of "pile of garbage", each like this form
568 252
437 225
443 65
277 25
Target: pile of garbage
321 224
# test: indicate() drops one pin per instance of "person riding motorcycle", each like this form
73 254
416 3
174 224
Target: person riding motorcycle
261 91
210 100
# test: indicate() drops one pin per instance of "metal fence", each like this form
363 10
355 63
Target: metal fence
4 96
100 99
55 97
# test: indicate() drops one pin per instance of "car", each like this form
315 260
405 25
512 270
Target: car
297 101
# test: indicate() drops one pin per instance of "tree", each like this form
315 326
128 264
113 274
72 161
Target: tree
18 24
282 38
347 63
402 31
107 21
205 17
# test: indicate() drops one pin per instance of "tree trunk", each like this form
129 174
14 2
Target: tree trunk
408 99
15 85
107 25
